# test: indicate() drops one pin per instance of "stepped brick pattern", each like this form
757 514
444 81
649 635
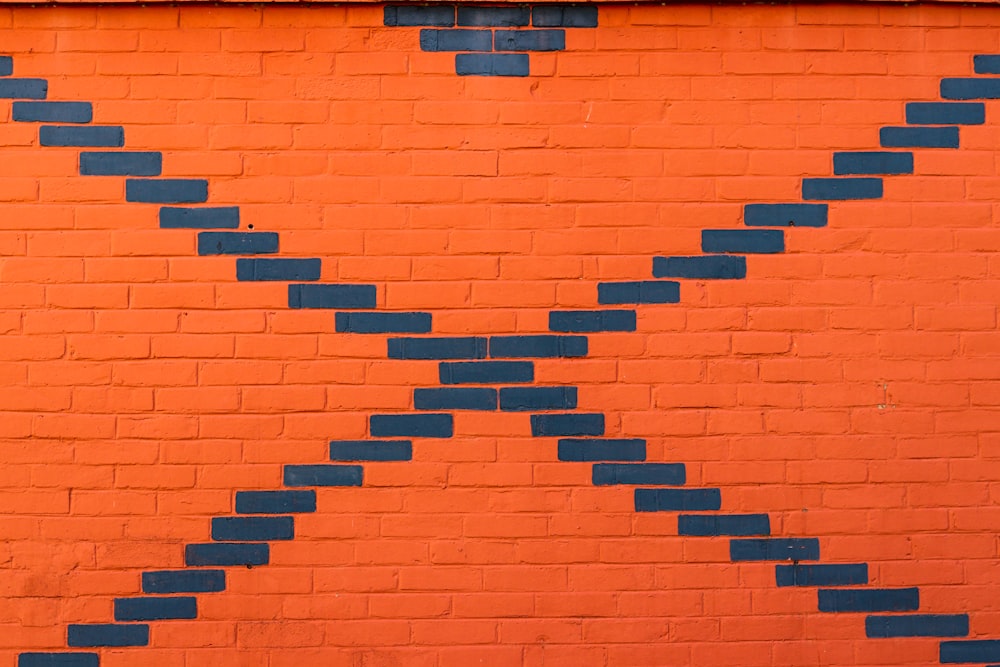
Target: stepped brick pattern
647 335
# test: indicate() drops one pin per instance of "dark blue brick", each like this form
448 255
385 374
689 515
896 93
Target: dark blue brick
538 346
332 296
275 502
591 321
918 625
537 398
166 190
107 634
945 113
155 609
491 64
371 450
704 267
869 599
731 524
226 554
252 528
564 16
184 581
645 291
986 64
530 40
785 215
978 650
113 163
455 398
437 348
778 548
6 65
216 217
23 89
605 449
486 372
919 137
970 89
88 135
323 475
377 323
821 575
567 424
672 500
667 474
237 243
842 188
278 269
456 40
872 162
58 659
756 241
409 15
418 426
493 16
52 112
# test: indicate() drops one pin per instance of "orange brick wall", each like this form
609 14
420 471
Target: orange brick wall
846 388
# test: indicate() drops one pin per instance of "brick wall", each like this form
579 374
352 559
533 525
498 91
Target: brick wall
429 336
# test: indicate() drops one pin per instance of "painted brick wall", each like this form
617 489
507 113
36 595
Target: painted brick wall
429 336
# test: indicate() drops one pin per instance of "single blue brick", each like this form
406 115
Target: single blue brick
114 163
6 69
919 137
672 500
323 475
332 296
841 188
275 502
278 269
609 449
485 372
978 650
23 89
226 554
785 215
409 15
237 243
58 659
778 548
52 112
703 267
945 113
456 40
986 64
493 16
252 528
918 625
529 40
537 346
371 450
567 424
731 524
872 162
73 135
455 398
515 399
592 321
565 16
488 64
422 426
970 89
377 323
107 634
166 190
155 609
645 291
869 599
437 348
821 575
667 474
217 217
184 581
755 241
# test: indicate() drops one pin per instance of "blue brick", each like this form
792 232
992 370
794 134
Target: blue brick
88 135
377 323
869 599
565 16
275 502
945 113
323 475
332 296
515 399
409 15
23 89
58 659
486 372
918 625
492 64
609 449
456 40
252 528
841 188
785 215
851 574
216 217
529 40
437 348
986 64
723 524
970 89
778 548
538 346
6 65
418 426
567 424
237 243
184 581
371 450
872 162
703 267
978 650
155 609
52 112
493 16
278 269
645 291
591 321
672 500
114 163
756 241
226 554
455 398
166 190
107 634
919 137
667 474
